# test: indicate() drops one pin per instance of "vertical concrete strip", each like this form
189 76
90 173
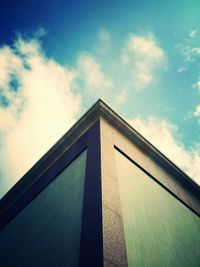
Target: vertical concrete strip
114 248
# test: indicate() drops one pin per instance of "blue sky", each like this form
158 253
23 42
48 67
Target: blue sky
58 57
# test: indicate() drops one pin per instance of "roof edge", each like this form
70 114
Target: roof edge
119 122
97 110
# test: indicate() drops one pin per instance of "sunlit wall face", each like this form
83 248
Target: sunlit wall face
47 231
159 230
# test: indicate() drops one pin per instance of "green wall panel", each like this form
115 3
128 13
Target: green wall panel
159 230
47 231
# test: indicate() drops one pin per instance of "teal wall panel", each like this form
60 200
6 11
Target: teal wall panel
159 230
47 231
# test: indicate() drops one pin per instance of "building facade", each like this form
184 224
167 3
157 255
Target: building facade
101 196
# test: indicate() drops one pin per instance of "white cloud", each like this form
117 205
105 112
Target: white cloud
143 56
104 40
90 72
121 96
28 48
197 85
166 138
181 69
197 111
40 110
193 33
189 53
10 65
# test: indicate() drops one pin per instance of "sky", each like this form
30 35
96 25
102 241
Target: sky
58 57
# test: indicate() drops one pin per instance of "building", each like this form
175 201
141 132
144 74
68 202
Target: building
101 196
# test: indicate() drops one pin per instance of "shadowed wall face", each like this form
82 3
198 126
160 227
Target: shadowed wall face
159 230
47 231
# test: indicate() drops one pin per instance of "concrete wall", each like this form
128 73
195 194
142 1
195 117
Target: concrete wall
184 191
113 233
